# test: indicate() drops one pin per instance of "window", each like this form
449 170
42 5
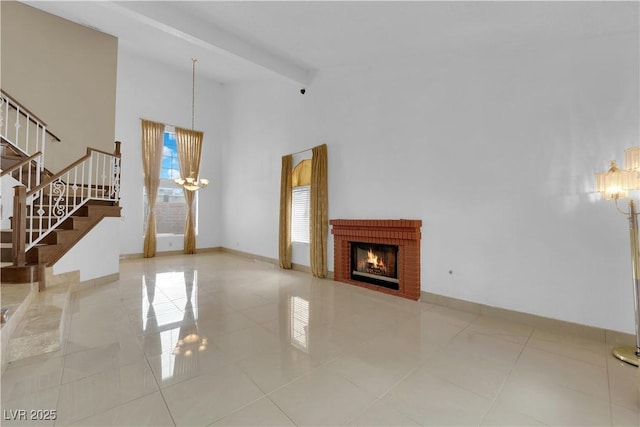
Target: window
300 198
300 214
170 209
170 166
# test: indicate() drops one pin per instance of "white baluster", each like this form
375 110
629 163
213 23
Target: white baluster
90 170
2 121
104 174
26 136
43 136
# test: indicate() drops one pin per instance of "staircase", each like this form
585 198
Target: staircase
55 244
44 214
51 212
15 164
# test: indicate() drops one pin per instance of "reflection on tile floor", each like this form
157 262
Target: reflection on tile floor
215 339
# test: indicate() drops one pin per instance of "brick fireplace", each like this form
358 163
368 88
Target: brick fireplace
354 236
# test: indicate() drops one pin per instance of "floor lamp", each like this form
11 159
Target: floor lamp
615 184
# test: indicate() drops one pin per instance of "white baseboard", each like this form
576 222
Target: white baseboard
555 325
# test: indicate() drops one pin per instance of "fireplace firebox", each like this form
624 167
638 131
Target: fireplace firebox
375 264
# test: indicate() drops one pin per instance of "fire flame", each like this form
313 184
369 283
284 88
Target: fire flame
374 260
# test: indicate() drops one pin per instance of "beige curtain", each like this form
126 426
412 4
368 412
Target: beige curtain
284 235
319 212
152 146
189 144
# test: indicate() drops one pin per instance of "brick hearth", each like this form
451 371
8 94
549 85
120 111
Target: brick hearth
403 233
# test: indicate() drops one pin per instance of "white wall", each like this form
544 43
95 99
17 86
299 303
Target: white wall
96 254
153 91
65 73
494 150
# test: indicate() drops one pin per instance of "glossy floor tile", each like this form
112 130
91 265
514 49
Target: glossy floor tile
217 339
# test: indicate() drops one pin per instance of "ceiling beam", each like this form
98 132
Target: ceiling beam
172 20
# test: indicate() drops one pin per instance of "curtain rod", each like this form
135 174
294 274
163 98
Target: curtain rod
167 124
302 151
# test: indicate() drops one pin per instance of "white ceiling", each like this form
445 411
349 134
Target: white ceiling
246 40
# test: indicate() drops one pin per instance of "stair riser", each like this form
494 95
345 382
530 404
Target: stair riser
47 201
110 211
58 237
53 246
26 274
70 223
68 192
41 254
65 233
6 254
83 211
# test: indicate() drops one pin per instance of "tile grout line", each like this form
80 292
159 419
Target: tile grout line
264 395
281 410
401 379
98 373
506 378
146 358
513 373
63 351
609 388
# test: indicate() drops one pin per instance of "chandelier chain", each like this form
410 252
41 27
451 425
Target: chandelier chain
193 93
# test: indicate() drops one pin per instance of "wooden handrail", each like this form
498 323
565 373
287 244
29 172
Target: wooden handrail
65 170
32 117
58 175
89 150
20 164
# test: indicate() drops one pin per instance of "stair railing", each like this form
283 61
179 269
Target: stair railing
25 132
96 176
30 178
21 128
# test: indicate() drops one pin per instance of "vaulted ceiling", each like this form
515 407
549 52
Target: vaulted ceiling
245 40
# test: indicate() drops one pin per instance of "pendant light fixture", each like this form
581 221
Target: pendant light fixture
192 182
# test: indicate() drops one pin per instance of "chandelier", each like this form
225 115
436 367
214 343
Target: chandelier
192 183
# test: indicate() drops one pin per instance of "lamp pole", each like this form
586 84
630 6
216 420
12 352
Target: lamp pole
616 184
629 354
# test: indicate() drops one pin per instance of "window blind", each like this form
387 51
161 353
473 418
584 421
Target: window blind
300 214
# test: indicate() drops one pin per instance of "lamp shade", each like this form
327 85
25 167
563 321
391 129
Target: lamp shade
632 158
616 183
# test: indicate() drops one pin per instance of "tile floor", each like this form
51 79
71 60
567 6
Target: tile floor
215 339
